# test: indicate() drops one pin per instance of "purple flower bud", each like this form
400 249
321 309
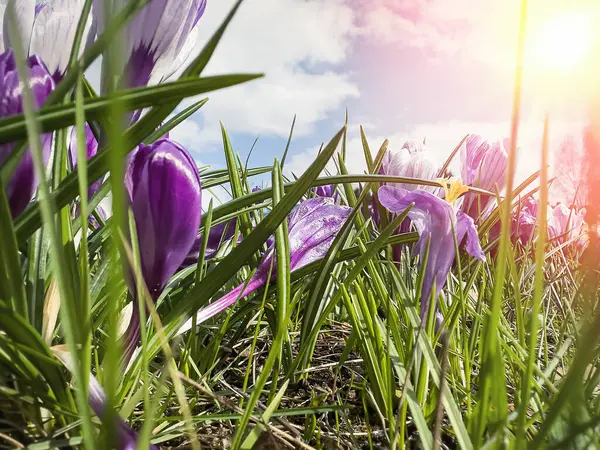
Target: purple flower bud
164 190
484 165
156 42
166 198
436 221
91 146
412 160
312 227
23 183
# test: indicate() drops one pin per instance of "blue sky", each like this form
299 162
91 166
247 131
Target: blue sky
434 69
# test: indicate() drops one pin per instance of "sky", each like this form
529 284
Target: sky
403 69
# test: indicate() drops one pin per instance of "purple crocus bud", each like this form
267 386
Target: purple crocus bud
218 234
23 183
436 221
166 198
156 40
91 146
484 165
47 29
164 190
312 227
412 160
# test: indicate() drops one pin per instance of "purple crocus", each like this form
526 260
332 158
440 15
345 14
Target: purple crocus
412 160
438 222
325 191
47 29
166 198
158 40
23 183
312 227
483 165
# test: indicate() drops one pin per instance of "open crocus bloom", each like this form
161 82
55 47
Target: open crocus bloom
412 160
23 183
312 227
47 29
158 40
483 165
438 222
166 198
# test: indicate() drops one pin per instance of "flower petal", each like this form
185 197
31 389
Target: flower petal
25 12
54 31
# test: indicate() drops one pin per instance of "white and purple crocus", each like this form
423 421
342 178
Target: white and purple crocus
312 227
442 225
165 195
23 182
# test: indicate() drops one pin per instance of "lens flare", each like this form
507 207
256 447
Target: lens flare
564 42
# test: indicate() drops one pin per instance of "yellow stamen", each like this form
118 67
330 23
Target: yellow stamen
453 187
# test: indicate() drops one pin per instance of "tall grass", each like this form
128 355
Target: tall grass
333 355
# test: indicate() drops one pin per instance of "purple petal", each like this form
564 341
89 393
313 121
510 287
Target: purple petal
54 32
312 227
165 194
218 234
436 221
23 183
91 150
466 226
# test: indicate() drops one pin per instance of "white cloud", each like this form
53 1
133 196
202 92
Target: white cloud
299 45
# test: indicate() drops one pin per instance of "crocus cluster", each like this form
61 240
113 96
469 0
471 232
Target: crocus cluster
23 183
312 227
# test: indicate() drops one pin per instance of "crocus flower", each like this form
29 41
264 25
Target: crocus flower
412 160
158 40
23 183
166 198
312 227
47 29
436 221
483 165
218 234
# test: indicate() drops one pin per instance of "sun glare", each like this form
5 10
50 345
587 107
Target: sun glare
564 42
